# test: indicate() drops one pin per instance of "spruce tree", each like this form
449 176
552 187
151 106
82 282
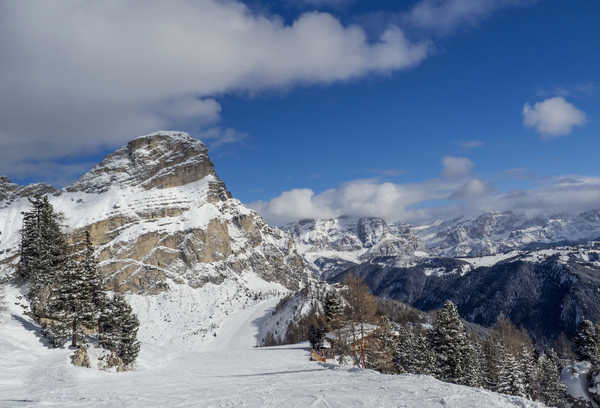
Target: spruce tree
551 390
423 359
449 340
316 335
92 282
528 367
118 328
333 309
44 248
413 353
473 376
67 303
500 369
28 246
516 377
585 342
403 351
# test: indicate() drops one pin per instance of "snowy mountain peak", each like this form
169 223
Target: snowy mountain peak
156 160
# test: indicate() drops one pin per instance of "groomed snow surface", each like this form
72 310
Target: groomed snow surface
225 371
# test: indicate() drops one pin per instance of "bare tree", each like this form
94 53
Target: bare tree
360 310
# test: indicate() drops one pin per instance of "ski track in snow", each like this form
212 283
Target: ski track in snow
227 371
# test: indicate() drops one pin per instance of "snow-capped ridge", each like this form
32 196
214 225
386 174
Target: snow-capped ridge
499 232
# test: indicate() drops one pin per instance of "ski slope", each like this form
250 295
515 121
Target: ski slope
227 371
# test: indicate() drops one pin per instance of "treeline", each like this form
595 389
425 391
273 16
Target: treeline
504 361
350 325
66 290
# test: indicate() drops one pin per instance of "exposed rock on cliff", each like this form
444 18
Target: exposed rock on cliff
159 215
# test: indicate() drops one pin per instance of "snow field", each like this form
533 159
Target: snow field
224 371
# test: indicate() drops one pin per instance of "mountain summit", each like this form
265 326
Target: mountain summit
164 223
158 160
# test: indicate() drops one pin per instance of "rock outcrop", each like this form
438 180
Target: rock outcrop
158 160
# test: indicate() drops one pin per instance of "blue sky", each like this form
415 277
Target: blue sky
325 137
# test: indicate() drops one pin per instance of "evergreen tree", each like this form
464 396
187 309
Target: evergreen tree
118 328
449 340
413 353
28 247
403 351
423 359
43 250
490 363
551 390
585 342
473 376
333 309
316 335
66 304
528 367
92 282
516 377
500 369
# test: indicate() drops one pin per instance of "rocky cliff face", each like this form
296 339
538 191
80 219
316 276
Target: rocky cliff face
160 216
159 160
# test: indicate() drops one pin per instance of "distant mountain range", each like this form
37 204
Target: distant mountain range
542 272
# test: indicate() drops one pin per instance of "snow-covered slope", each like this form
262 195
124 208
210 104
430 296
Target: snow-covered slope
227 372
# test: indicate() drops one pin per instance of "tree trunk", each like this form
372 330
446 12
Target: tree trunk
74 334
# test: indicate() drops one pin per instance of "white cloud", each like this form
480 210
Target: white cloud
203 110
430 199
217 136
568 194
447 15
472 188
553 117
455 168
359 197
79 75
294 205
